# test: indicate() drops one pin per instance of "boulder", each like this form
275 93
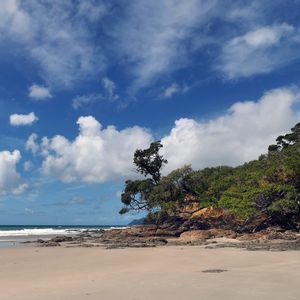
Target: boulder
195 235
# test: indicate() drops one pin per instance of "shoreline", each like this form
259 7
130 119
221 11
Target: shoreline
147 236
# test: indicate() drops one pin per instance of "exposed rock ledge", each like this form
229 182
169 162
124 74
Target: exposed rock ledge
273 238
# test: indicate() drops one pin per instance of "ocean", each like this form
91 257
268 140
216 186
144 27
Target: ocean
44 230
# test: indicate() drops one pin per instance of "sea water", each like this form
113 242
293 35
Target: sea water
14 235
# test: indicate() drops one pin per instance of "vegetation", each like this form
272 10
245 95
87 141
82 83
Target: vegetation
136 195
267 188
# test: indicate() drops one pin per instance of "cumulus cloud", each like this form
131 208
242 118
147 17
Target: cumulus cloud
27 166
23 120
260 51
102 154
10 179
38 92
31 143
96 155
240 135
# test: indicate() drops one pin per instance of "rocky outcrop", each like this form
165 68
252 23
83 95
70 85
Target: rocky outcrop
153 236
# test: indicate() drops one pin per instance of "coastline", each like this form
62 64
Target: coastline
19 235
143 236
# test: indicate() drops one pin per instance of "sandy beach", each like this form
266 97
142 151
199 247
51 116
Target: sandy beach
148 273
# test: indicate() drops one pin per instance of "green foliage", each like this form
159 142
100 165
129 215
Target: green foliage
269 186
284 141
149 162
169 194
209 184
136 193
240 202
287 203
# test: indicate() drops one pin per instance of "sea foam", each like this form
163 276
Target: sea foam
38 232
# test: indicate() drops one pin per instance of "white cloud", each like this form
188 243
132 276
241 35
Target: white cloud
96 155
260 51
10 179
70 41
109 94
13 20
27 166
31 143
38 92
58 36
23 120
151 38
173 89
84 100
110 88
242 134
93 10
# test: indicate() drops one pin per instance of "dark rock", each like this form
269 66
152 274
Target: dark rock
60 239
40 241
49 244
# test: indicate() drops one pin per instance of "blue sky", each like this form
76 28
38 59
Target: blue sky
85 83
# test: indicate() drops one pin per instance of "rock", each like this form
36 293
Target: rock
208 212
50 244
167 232
157 241
202 235
195 235
59 239
87 245
222 233
40 241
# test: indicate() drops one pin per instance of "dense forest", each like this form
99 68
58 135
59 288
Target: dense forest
254 195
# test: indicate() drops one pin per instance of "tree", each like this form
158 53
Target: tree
284 141
149 162
172 189
258 193
136 193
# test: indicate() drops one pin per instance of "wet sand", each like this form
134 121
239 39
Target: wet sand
148 273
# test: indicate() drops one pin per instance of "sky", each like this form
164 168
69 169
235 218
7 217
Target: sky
83 84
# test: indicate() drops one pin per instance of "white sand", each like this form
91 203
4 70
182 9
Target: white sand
152 273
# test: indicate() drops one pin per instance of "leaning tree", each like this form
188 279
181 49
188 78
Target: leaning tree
149 163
